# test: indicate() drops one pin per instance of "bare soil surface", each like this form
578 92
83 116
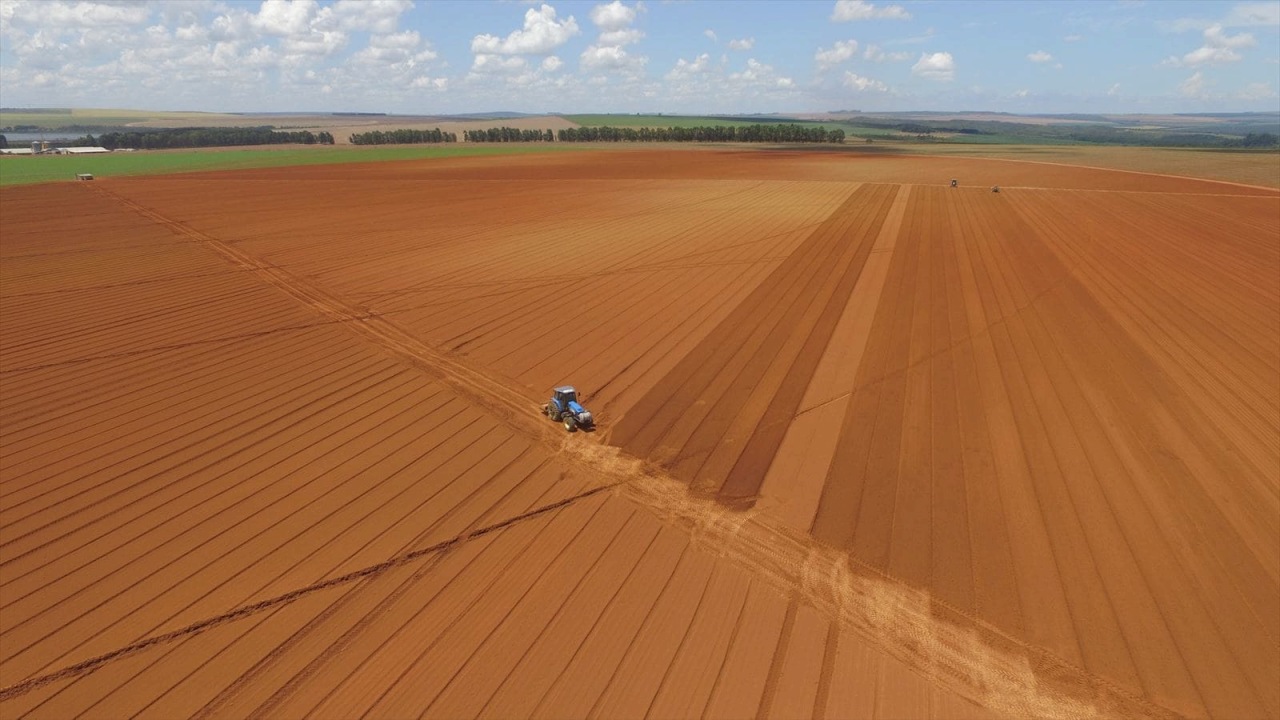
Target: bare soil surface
868 446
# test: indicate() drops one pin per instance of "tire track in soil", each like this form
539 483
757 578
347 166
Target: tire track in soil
270 603
947 645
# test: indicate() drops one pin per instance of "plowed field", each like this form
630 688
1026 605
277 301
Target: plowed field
868 446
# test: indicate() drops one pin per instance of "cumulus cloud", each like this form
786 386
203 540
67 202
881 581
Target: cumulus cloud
1192 86
610 57
1021 93
72 15
875 54
542 33
625 36
696 79
850 10
284 17
429 83
762 76
711 35
613 16
743 44
1073 38
1040 56
486 63
1114 90
827 58
245 55
606 53
551 63
686 68
935 66
1219 47
863 84
375 16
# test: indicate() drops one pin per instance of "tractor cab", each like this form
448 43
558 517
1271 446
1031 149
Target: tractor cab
564 395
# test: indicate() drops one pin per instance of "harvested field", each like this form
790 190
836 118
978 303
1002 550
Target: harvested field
869 446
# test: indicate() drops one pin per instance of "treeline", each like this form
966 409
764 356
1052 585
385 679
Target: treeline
507 134
403 137
1259 140
201 137
1111 136
781 133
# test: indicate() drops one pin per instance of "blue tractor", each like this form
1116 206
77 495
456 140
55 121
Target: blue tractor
563 407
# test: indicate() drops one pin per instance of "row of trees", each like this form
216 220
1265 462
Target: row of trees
403 137
201 137
781 133
508 134
1259 140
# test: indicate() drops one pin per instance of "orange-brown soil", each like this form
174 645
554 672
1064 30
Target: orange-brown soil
868 446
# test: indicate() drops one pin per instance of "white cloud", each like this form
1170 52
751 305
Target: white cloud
1193 86
1073 38
1114 91
743 44
935 66
711 35
197 52
1253 15
1040 56
611 57
686 68
284 17
491 63
551 63
695 80
429 83
607 53
542 33
376 16
395 49
850 10
827 58
762 76
863 84
1021 93
315 43
72 15
1218 48
1256 91
1215 36
619 38
613 16
875 54
406 40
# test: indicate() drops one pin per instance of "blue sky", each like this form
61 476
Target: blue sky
677 56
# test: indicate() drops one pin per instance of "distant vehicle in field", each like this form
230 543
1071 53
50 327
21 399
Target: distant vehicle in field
995 188
954 182
563 407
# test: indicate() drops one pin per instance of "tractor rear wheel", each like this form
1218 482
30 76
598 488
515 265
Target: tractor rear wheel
570 423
